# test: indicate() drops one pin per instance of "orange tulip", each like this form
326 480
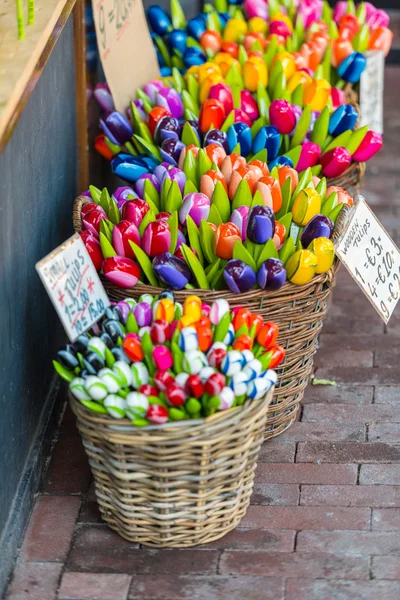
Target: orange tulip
381 39
285 172
340 49
271 192
212 113
225 237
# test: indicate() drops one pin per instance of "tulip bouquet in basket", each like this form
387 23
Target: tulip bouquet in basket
219 222
309 30
155 361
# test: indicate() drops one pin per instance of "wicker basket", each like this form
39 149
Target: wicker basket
351 94
181 484
299 312
351 178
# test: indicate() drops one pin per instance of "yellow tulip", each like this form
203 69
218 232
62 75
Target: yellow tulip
235 29
258 25
207 84
255 72
192 71
317 94
299 78
324 250
288 63
207 69
301 267
306 205
225 61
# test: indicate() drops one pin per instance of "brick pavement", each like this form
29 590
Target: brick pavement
324 523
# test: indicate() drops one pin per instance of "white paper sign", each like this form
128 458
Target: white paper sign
73 285
372 258
371 91
126 50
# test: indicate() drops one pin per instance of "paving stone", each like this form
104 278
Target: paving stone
341 357
50 529
380 474
347 452
386 519
360 375
303 589
90 512
301 564
349 542
387 394
276 540
384 432
277 451
275 493
386 567
338 394
94 586
34 581
345 413
69 471
350 495
307 517
306 473
171 587
302 431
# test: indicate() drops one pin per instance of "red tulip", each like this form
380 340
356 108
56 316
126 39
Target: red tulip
93 247
134 211
121 271
223 94
122 233
212 113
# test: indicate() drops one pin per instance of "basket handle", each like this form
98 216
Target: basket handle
79 202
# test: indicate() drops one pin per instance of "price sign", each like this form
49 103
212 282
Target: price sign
125 47
372 258
73 285
371 91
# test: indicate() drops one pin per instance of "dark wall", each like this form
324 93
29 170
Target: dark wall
38 180
191 7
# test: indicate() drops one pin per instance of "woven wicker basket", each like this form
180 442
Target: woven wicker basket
351 94
351 178
181 484
299 312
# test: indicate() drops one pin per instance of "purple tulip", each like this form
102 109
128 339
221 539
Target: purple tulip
171 150
271 275
239 217
103 96
370 145
171 100
319 226
282 116
260 224
167 127
152 88
122 195
175 174
143 314
171 270
161 169
139 185
309 156
181 240
86 194
117 128
239 276
197 206
124 309
216 136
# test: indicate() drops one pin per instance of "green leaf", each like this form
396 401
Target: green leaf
286 221
149 217
105 200
104 229
341 140
95 193
271 50
179 82
148 148
177 15
294 232
194 237
315 381
189 188
162 48
330 203
148 347
294 155
261 155
113 212
190 168
150 202
174 198
316 170
196 267
356 139
189 136
251 247
131 324
320 129
258 200
204 164
213 270
230 119
286 190
164 192
135 117
302 127
255 128
144 262
106 248
221 200
151 192
193 87
242 196
297 96
206 239
214 216
173 226
333 215
321 189
268 251
63 372
263 101
304 179
287 250
190 103
240 252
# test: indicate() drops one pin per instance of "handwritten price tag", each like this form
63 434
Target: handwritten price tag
125 47
73 285
371 91
371 257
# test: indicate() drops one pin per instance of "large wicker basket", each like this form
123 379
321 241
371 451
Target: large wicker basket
181 484
351 178
299 312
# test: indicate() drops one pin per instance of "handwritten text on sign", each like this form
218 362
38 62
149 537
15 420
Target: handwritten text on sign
125 47
371 91
372 259
73 285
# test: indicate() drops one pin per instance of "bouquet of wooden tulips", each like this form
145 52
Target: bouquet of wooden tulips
155 361
315 37
218 222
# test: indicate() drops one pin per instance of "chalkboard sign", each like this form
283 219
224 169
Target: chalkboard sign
371 91
73 285
372 258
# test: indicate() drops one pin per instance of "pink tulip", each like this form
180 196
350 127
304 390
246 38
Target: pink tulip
156 238
309 156
375 18
339 10
256 8
311 11
223 93
370 145
134 210
282 116
121 271
335 162
249 105
242 117
152 88
338 97
279 28
122 233
197 206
